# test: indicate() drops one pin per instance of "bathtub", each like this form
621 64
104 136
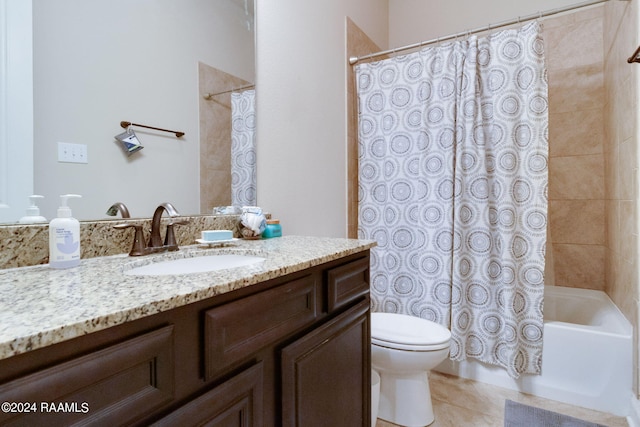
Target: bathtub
586 358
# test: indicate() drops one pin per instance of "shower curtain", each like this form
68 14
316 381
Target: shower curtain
452 185
243 148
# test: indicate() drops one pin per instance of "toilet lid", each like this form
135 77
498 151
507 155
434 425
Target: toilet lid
405 332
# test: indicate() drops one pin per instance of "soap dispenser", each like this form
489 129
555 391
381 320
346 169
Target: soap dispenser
33 212
64 236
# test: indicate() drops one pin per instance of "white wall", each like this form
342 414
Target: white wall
301 70
98 63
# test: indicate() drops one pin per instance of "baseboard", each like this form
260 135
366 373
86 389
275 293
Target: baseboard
633 419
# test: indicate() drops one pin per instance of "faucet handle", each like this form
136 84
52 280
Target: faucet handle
170 237
138 247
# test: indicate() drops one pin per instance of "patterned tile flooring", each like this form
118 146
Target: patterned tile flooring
459 402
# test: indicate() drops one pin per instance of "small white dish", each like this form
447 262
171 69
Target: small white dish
216 242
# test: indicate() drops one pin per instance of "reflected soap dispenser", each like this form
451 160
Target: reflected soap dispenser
64 236
33 212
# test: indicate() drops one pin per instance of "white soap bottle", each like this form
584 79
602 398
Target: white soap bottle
64 236
33 212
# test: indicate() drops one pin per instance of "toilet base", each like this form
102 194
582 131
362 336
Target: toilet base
405 399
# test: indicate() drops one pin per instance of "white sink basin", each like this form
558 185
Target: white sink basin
199 264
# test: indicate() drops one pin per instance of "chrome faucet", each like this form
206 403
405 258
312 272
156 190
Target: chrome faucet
118 207
155 243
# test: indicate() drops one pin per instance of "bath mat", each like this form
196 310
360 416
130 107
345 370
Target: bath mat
519 415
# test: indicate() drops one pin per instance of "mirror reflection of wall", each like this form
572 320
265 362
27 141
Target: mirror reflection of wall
98 63
16 107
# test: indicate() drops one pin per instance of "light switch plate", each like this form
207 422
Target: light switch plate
72 153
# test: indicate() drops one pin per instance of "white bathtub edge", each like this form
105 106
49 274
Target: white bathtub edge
633 419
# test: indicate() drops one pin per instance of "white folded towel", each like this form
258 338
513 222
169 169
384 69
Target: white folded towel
253 219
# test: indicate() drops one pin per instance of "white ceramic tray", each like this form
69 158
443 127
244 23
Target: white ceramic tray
215 242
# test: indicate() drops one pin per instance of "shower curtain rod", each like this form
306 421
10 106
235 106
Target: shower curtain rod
355 59
211 95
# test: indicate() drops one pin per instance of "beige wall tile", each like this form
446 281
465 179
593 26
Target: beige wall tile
628 229
622 287
576 133
577 209
621 160
576 89
627 170
577 222
576 177
579 266
612 224
574 45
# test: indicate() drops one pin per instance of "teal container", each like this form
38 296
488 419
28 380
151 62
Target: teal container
274 229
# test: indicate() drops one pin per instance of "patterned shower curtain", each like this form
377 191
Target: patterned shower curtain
243 148
453 181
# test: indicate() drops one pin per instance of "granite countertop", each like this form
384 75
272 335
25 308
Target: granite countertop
41 306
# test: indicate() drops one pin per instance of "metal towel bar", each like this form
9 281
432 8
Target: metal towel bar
635 57
127 124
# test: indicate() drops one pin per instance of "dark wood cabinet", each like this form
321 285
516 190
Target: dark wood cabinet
234 331
291 351
235 403
326 374
115 385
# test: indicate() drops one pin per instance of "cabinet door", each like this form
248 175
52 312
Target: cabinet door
326 375
235 403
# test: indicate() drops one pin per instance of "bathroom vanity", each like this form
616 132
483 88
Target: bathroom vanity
283 342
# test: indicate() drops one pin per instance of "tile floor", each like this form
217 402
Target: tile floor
459 402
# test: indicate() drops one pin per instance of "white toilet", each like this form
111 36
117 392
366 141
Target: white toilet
403 349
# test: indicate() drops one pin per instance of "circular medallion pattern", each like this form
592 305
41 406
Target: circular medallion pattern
453 164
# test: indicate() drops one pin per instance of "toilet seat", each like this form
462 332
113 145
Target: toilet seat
403 332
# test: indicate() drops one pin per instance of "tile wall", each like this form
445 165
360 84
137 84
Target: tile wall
575 66
621 158
358 43
215 136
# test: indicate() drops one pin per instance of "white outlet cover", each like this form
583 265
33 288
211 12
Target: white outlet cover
72 153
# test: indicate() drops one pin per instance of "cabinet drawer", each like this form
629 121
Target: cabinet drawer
236 330
236 402
347 283
112 386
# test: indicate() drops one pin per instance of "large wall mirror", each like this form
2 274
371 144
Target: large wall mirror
162 63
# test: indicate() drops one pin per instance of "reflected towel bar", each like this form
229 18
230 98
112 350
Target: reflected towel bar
635 57
127 124
208 96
